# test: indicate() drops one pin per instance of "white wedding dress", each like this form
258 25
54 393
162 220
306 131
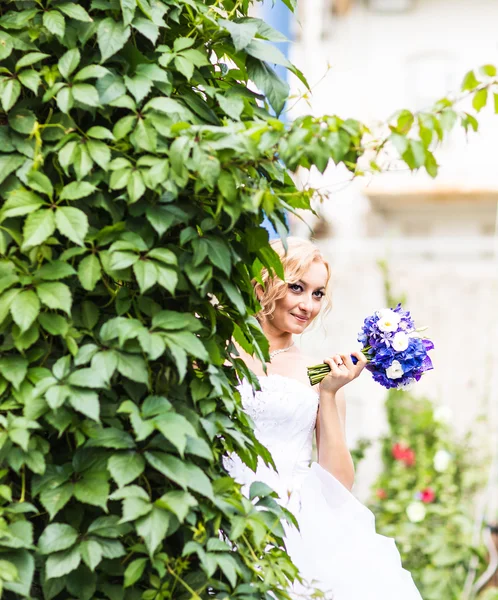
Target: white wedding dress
336 549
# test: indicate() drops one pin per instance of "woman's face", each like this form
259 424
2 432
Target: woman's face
303 301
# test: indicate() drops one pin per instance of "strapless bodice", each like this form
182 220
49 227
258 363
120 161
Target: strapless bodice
284 414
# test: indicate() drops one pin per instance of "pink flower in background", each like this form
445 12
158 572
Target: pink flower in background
404 454
427 495
381 494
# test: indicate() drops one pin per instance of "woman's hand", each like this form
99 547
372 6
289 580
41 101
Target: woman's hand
342 371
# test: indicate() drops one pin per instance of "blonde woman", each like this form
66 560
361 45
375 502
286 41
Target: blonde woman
336 547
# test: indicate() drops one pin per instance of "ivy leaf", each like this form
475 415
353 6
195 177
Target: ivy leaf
30 58
188 341
125 468
146 274
480 100
82 583
198 481
128 9
57 395
62 563
170 466
231 105
86 94
53 323
41 183
92 72
22 120
10 94
267 52
24 562
100 153
89 272
177 502
20 202
167 278
56 537
8 164
76 190
54 22
68 62
184 66
55 295
136 186
470 82
39 226
57 269
133 367
175 428
111 37
75 11
93 488
139 86
14 369
265 78
30 79
65 100
91 553
24 309
73 223
6 45
86 378
134 571
152 528
54 499
147 28
228 564
241 33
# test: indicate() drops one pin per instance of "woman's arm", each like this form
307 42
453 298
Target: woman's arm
333 452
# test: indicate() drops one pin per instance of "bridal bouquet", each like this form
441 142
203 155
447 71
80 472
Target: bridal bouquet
396 350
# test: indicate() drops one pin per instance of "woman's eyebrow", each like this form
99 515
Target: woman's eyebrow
320 288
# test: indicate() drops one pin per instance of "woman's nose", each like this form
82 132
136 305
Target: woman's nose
306 304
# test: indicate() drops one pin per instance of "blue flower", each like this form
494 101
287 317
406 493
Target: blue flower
412 362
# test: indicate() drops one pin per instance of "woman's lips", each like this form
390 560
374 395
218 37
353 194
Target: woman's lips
301 319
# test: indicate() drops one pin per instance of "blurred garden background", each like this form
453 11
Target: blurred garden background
429 466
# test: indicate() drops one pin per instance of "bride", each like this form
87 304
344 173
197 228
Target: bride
336 548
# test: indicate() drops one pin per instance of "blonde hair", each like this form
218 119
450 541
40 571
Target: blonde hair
296 260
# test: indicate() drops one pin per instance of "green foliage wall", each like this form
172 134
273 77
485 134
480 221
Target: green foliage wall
135 167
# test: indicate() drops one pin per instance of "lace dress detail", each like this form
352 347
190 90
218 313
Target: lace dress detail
336 546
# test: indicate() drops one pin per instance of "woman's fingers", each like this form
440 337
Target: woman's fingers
362 361
334 369
348 363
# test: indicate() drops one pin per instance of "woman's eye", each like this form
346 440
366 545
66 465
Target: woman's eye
295 287
319 295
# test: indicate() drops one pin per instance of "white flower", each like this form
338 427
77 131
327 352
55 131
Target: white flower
389 320
407 386
442 460
395 371
443 414
416 512
400 341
